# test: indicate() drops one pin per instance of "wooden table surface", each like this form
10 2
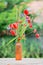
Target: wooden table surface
24 61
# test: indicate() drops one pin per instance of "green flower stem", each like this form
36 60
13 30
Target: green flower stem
23 30
11 41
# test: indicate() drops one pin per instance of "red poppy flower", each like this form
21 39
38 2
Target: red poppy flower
15 25
26 12
37 35
13 33
30 25
11 26
29 21
34 31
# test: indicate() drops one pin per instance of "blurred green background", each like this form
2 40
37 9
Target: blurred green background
32 47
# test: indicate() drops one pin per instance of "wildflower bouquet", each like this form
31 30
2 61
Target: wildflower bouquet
18 29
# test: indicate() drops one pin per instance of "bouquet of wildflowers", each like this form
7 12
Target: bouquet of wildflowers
18 28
